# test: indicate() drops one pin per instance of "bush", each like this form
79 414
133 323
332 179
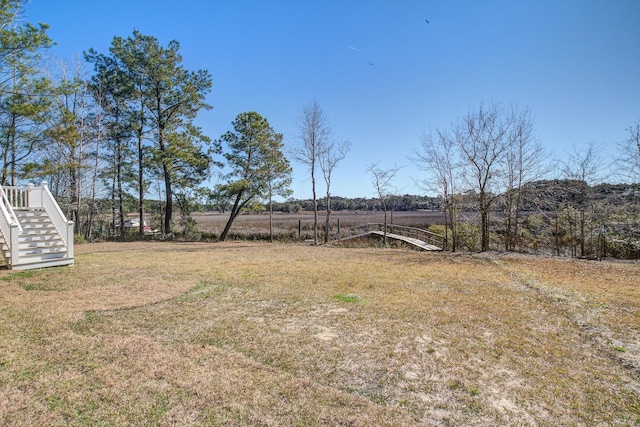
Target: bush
191 231
468 237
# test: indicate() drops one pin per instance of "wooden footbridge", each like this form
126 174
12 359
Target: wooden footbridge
417 237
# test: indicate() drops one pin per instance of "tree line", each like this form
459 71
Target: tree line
125 134
492 154
124 131
549 219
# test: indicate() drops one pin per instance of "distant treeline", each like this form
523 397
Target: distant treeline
544 195
405 202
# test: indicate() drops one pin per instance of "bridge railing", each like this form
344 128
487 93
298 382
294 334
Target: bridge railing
417 233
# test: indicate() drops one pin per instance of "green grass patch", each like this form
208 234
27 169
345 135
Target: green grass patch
347 297
454 385
18 275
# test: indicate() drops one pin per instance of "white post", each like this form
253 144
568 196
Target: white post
30 187
70 242
14 243
45 186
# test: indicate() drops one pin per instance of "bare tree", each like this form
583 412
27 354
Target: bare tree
64 159
629 160
524 163
439 159
93 197
483 138
382 180
314 135
583 169
630 165
333 154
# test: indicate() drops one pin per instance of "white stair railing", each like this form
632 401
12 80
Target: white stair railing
31 197
41 197
9 225
17 197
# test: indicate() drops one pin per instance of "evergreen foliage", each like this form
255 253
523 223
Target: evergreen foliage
256 162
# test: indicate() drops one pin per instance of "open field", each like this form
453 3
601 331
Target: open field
299 226
152 333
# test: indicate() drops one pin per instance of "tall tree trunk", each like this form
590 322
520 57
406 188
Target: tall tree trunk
141 189
384 235
141 184
12 135
445 211
270 217
315 206
114 180
120 189
326 222
453 214
484 222
508 226
94 188
168 212
77 171
73 200
517 241
232 216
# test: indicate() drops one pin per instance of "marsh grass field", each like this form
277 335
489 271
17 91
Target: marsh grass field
258 334
299 226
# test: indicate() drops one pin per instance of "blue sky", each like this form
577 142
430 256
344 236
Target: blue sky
382 74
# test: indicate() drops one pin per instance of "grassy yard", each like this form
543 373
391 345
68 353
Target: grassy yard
241 334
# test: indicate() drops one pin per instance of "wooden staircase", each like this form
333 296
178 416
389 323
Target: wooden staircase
33 231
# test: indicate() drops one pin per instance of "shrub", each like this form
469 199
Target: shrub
468 237
191 231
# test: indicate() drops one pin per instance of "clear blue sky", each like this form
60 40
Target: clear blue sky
575 64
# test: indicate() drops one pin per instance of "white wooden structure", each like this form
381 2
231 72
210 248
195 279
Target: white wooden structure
34 233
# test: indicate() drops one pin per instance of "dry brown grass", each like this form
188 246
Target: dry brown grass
299 226
259 334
